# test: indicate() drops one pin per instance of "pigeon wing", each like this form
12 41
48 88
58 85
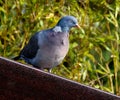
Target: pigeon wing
30 50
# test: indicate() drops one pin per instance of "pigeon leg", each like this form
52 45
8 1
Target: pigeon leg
50 70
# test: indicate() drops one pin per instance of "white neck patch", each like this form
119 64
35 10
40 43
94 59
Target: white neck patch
57 29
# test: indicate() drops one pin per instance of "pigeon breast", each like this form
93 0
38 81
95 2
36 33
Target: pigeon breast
53 47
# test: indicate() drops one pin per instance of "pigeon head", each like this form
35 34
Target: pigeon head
67 22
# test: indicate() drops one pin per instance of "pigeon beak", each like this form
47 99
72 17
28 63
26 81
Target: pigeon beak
77 26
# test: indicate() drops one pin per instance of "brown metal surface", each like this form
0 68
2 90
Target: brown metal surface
21 82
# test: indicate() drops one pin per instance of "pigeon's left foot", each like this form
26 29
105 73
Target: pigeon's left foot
50 70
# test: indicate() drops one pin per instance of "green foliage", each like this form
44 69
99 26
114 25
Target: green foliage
93 58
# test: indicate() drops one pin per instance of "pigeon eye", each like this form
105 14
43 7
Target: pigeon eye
71 21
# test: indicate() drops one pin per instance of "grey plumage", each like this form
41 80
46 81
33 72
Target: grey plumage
47 48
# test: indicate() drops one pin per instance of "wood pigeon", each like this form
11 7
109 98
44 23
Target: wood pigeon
47 48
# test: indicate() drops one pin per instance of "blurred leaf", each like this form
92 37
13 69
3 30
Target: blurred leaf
2 9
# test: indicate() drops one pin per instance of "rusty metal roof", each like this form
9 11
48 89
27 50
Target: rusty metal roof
22 82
